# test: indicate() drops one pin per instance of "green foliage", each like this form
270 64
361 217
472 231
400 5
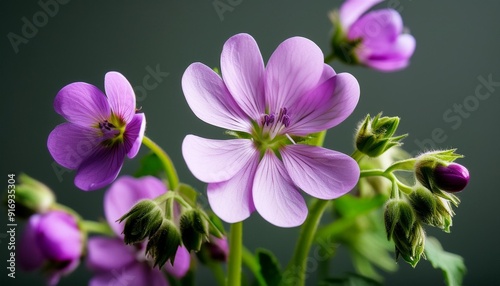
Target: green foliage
269 266
451 264
150 165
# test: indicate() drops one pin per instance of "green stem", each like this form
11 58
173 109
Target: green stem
235 252
173 179
357 155
302 248
97 227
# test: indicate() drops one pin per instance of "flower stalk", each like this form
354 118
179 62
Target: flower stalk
235 254
172 177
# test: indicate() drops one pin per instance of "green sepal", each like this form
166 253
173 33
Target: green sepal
142 221
162 246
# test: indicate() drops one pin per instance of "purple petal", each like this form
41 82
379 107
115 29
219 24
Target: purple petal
133 274
394 58
134 133
214 161
351 10
70 144
181 265
232 200
276 198
121 96
210 100
105 254
100 168
243 73
59 237
125 193
294 68
326 106
82 104
322 173
29 254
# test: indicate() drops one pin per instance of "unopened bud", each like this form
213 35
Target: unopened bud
452 178
194 229
410 245
32 197
398 214
162 246
142 221
424 204
374 136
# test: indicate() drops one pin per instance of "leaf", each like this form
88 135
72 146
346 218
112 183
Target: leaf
269 266
150 166
352 279
349 206
188 193
451 264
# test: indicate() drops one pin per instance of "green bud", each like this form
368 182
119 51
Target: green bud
162 246
410 246
398 214
142 221
32 197
194 229
424 204
443 217
375 136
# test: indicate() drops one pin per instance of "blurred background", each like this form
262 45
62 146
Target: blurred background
457 50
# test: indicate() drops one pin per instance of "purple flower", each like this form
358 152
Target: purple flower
117 263
52 240
269 109
100 132
452 178
383 46
218 248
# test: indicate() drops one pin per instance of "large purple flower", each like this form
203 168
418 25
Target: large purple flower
115 263
52 240
383 46
271 110
100 132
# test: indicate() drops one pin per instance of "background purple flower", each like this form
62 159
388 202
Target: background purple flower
383 45
271 107
100 130
52 240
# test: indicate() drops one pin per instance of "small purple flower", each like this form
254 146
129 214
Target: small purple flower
52 240
383 45
269 109
115 263
100 132
452 178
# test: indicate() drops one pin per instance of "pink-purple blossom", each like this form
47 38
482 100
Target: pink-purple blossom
271 110
384 45
51 241
100 130
451 178
114 262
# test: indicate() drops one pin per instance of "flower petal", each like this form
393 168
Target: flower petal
82 104
121 96
125 193
70 144
29 254
396 57
294 68
276 198
242 69
322 173
214 161
134 133
59 237
208 97
181 263
105 254
326 106
232 200
351 10
133 274
100 168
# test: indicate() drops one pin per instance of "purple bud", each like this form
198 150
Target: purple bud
218 248
451 178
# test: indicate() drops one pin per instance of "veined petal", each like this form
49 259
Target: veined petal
322 173
213 161
132 274
242 69
29 254
276 198
134 133
326 106
82 104
121 96
351 10
100 168
379 29
208 97
108 254
232 200
125 192
294 68
70 144
181 263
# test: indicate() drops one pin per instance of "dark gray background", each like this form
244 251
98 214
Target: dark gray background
457 42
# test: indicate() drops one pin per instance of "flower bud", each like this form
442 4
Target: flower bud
142 221
162 246
398 214
32 197
444 214
374 136
215 249
424 204
194 229
452 178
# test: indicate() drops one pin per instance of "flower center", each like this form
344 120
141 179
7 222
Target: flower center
268 134
112 130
